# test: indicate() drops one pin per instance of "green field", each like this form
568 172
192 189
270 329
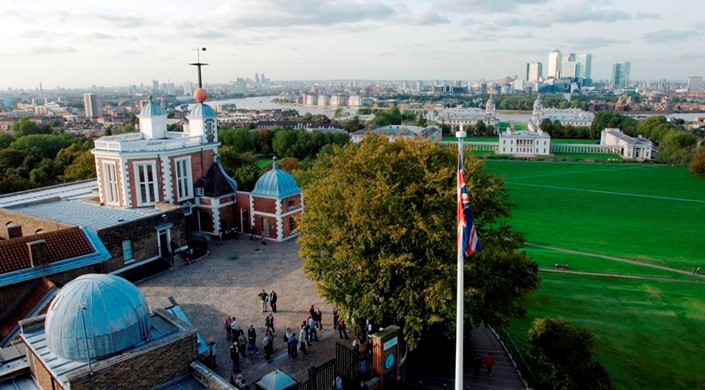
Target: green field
648 321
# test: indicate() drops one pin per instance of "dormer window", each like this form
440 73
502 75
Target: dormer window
199 191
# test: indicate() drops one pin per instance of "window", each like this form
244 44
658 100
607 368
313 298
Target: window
292 225
111 183
292 204
146 185
199 191
183 178
127 251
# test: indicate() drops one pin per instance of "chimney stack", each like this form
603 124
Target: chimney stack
38 253
14 230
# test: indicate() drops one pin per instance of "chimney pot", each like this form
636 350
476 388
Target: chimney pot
38 253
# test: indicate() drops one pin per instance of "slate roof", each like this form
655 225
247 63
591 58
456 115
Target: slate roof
216 182
61 245
35 302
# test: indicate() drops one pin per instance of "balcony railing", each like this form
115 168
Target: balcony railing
135 142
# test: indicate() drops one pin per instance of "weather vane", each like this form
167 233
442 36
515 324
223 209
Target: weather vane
199 64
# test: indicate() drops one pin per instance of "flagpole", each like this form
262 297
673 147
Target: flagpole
459 311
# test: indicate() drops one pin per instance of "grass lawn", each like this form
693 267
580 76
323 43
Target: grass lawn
648 332
517 125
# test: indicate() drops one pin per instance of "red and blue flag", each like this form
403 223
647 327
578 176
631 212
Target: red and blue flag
467 233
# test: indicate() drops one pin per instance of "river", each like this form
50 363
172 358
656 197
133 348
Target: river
265 103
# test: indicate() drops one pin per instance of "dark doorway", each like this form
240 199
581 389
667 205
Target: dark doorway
164 244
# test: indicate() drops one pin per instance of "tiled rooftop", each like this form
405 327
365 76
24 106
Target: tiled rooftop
61 245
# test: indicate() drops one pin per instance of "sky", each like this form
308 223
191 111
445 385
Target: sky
77 44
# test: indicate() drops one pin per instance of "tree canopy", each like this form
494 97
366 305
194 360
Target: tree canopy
378 236
565 356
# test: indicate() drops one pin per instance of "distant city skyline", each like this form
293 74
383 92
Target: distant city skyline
73 44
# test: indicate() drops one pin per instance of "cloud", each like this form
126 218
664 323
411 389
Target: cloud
286 13
486 6
573 12
670 36
589 43
122 21
44 50
429 18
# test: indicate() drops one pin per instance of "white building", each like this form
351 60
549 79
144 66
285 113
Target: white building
524 143
633 148
554 64
338 101
569 69
310 100
535 71
695 84
355 101
456 117
568 116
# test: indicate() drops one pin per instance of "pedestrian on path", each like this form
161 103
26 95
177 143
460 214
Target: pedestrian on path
228 329
489 363
341 329
273 301
235 356
313 335
307 328
338 382
252 340
335 318
268 346
302 335
293 343
264 297
269 323
242 343
234 327
319 318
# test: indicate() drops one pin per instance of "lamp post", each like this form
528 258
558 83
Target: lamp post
85 338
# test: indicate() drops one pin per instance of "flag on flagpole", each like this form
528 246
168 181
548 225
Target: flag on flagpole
468 241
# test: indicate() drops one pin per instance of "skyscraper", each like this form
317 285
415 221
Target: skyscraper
523 71
92 105
535 71
695 84
555 58
620 74
569 69
584 61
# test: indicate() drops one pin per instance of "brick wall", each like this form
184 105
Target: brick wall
30 224
265 205
143 368
143 235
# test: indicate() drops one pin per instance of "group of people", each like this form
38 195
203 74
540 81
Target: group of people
478 361
270 299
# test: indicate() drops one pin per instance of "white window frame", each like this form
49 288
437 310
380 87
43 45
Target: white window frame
183 178
142 167
112 194
127 249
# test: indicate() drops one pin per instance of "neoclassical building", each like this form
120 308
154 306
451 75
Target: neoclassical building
631 148
455 117
569 116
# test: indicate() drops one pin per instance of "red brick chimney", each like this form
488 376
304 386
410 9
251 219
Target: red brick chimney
38 253
14 230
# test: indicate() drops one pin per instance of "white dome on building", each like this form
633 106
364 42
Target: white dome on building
114 311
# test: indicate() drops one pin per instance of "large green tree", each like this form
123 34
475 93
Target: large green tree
378 236
565 356
697 164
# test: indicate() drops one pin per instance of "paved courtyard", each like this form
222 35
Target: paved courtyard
227 281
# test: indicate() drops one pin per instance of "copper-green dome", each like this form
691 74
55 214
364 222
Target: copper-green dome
277 183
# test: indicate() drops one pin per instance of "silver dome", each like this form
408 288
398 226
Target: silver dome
115 312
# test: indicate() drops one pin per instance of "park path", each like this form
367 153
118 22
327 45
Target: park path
505 375
614 258
622 276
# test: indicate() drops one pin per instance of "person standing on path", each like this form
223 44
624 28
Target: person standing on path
319 318
293 343
242 342
267 344
263 296
489 363
269 323
273 301
338 382
235 356
313 335
234 328
335 318
252 340
302 336
341 329
228 329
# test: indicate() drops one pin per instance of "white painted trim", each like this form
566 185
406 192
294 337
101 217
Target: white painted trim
155 182
188 185
166 179
109 165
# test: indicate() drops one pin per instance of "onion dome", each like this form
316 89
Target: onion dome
277 183
115 314
201 110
